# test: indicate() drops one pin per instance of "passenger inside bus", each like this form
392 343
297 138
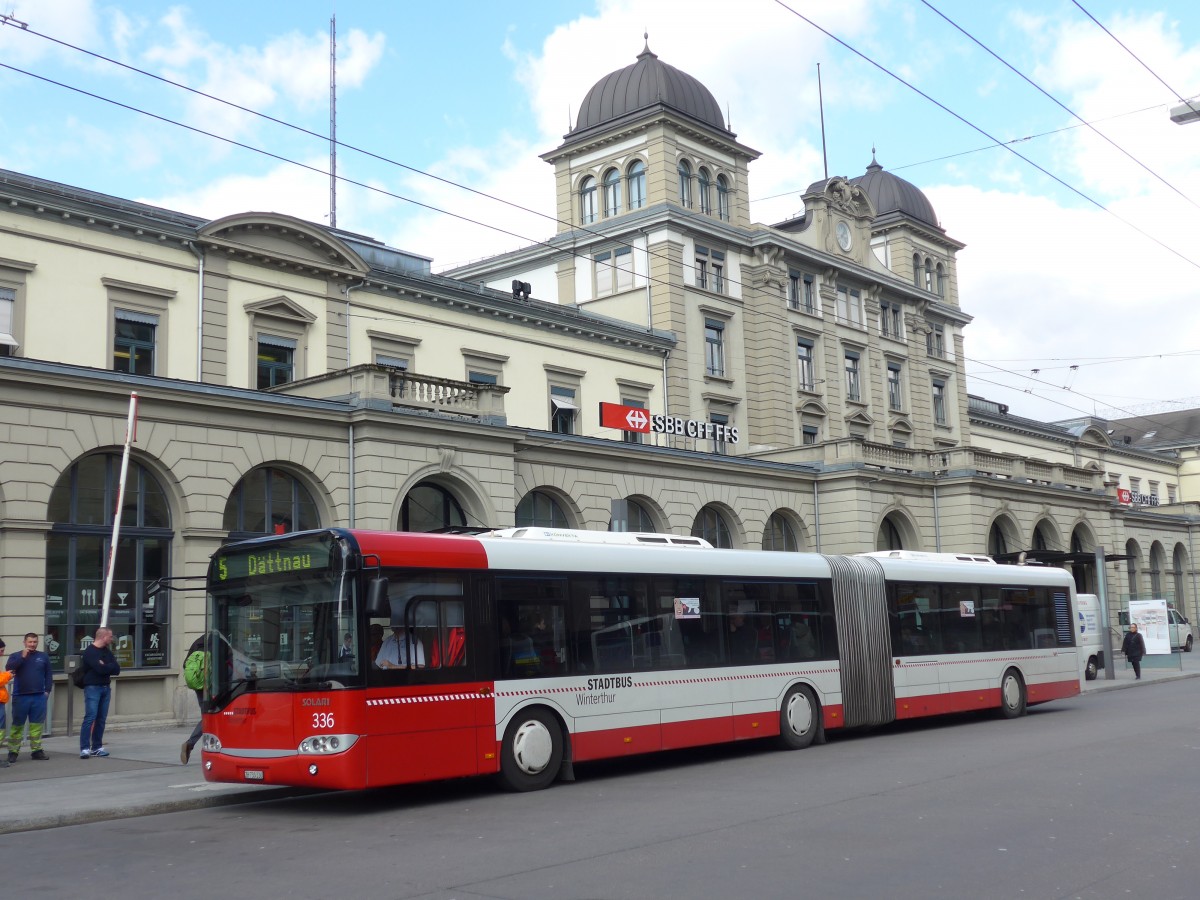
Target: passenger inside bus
801 644
743 642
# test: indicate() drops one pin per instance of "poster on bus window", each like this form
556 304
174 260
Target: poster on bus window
1151 619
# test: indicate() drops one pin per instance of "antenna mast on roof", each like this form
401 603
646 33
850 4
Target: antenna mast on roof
333 121
821 103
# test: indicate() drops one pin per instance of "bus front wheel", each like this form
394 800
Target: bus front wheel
799 717
1012 695
532 751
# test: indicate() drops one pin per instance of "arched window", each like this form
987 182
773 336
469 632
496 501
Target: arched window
77 552
1157 564
997 544
587 200
639 519
685 183
723 198
636 181
428 507
929 274
1131 567
711 526
612 193
941 280
779 535
703 184
889 536
538 509
917 269
269 501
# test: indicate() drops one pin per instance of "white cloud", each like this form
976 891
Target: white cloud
290 69
72 21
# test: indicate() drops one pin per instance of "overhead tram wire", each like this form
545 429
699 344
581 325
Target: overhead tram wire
1055 100
1189 103
530 241
325 139
989 136
1020 140
758 291
567 250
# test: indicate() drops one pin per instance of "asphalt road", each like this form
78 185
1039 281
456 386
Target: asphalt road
1094 797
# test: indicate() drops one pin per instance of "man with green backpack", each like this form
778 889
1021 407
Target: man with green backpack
195 673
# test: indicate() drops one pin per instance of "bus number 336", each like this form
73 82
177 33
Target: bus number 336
322 720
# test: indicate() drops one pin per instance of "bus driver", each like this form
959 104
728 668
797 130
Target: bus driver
397 651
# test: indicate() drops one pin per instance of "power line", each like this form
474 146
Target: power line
530 241
1055 100
1020 140
1135 56
990 137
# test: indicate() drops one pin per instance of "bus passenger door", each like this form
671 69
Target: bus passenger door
424 709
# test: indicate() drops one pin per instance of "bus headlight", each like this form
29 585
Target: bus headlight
324 744
210 743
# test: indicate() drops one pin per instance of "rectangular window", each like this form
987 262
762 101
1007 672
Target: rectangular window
853 390
563 409
808 297
633 437
935 341
702 267
808 434
718 271
714 347
8 303
133 342
1135 484
895 394
614 271
276 361
804 365
1170 493
939 402
1153 488
794 288
719 445
891 320
849 307
481 378
396 362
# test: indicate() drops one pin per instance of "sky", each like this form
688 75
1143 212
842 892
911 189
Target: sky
1083 251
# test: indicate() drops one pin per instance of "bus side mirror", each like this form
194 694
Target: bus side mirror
378 605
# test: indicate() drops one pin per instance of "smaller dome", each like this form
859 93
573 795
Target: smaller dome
892 194
643 84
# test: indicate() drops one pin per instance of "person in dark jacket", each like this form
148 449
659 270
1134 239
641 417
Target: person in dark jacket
35 681
1134 648
99 667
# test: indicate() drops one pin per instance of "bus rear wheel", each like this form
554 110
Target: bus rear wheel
799 717
1012 695
532 752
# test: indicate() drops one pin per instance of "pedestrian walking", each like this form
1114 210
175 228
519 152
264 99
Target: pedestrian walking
5 678
1134 648
195 672
31 670
99 668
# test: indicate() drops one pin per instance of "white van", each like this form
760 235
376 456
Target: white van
1089 635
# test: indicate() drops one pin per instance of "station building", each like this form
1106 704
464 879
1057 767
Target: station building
798 386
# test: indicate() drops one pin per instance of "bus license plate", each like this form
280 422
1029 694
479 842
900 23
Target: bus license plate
253 774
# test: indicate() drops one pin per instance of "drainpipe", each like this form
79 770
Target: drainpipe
1192 560
350 471
199 312
817 513
346 290
937 524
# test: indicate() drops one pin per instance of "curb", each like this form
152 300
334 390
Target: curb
1124 684
151 808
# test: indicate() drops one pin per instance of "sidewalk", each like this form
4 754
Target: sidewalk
143 775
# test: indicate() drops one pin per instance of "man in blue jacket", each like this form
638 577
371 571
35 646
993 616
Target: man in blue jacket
99 667
34 682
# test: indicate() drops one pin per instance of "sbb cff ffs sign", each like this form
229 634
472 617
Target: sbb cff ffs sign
633 418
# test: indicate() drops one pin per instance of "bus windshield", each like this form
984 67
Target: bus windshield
283 614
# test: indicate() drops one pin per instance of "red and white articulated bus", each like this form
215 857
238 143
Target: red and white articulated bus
350 659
